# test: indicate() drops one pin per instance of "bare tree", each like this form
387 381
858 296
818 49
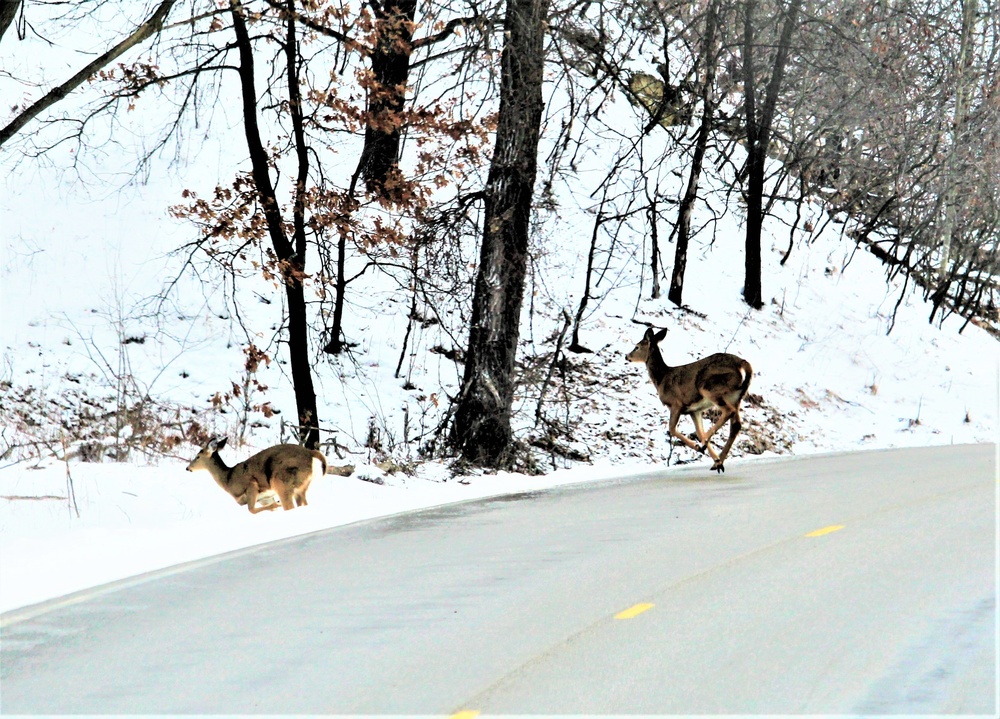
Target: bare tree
390 63
709 58
289 253
758 130
958 140
596 53
891 120
481 430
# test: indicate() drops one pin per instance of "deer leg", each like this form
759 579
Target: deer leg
674 418
300 494
734 429
700 430
300 497
727 413
284 493
735 425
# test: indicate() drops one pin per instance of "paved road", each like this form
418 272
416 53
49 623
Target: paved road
861 583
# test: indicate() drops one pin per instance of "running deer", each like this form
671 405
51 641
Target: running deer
284 470
719 380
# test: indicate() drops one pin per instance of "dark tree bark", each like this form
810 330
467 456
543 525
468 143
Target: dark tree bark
574 345
654 237
150 27
676 292
390 64
337 343
390 59
384 120
290 253
481 430
758 127
8 11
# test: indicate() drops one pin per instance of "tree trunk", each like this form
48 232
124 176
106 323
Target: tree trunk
654 238
676 292
8 11
336 344
291 262
481 430
752 290
758 129
965 54
390 64
574 345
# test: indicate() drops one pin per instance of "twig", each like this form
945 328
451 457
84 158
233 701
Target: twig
70 489
737 329
552 366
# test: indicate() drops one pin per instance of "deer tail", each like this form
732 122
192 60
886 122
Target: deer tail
747 376
322 459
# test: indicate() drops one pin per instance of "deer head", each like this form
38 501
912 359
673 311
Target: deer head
641 352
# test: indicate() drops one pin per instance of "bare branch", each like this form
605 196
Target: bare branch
149 28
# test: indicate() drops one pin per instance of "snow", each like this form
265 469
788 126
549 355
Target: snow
822 361
125 520
80 262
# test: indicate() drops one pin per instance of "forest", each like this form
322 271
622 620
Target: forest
431 148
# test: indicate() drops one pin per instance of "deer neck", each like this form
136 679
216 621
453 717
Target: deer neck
220 471
656 367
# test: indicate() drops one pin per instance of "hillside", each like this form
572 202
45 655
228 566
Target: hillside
114 357
82 339
827 378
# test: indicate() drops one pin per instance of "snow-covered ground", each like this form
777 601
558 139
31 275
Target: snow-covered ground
124 520
80 262
827 378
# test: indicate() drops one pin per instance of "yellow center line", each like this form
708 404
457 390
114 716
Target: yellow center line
468 714
826 530
633 611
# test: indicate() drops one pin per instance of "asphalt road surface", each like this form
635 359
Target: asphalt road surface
840 584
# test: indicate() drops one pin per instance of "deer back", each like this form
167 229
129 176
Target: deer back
693 386
291 463
681 385
720 375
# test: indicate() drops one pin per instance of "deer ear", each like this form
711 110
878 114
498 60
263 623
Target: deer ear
659 335
220 443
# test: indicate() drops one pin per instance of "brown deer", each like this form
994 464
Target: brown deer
284 470
719 380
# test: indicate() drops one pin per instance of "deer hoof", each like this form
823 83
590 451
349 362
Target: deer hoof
717 467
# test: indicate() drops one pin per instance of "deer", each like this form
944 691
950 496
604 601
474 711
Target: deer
284 470
719 380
